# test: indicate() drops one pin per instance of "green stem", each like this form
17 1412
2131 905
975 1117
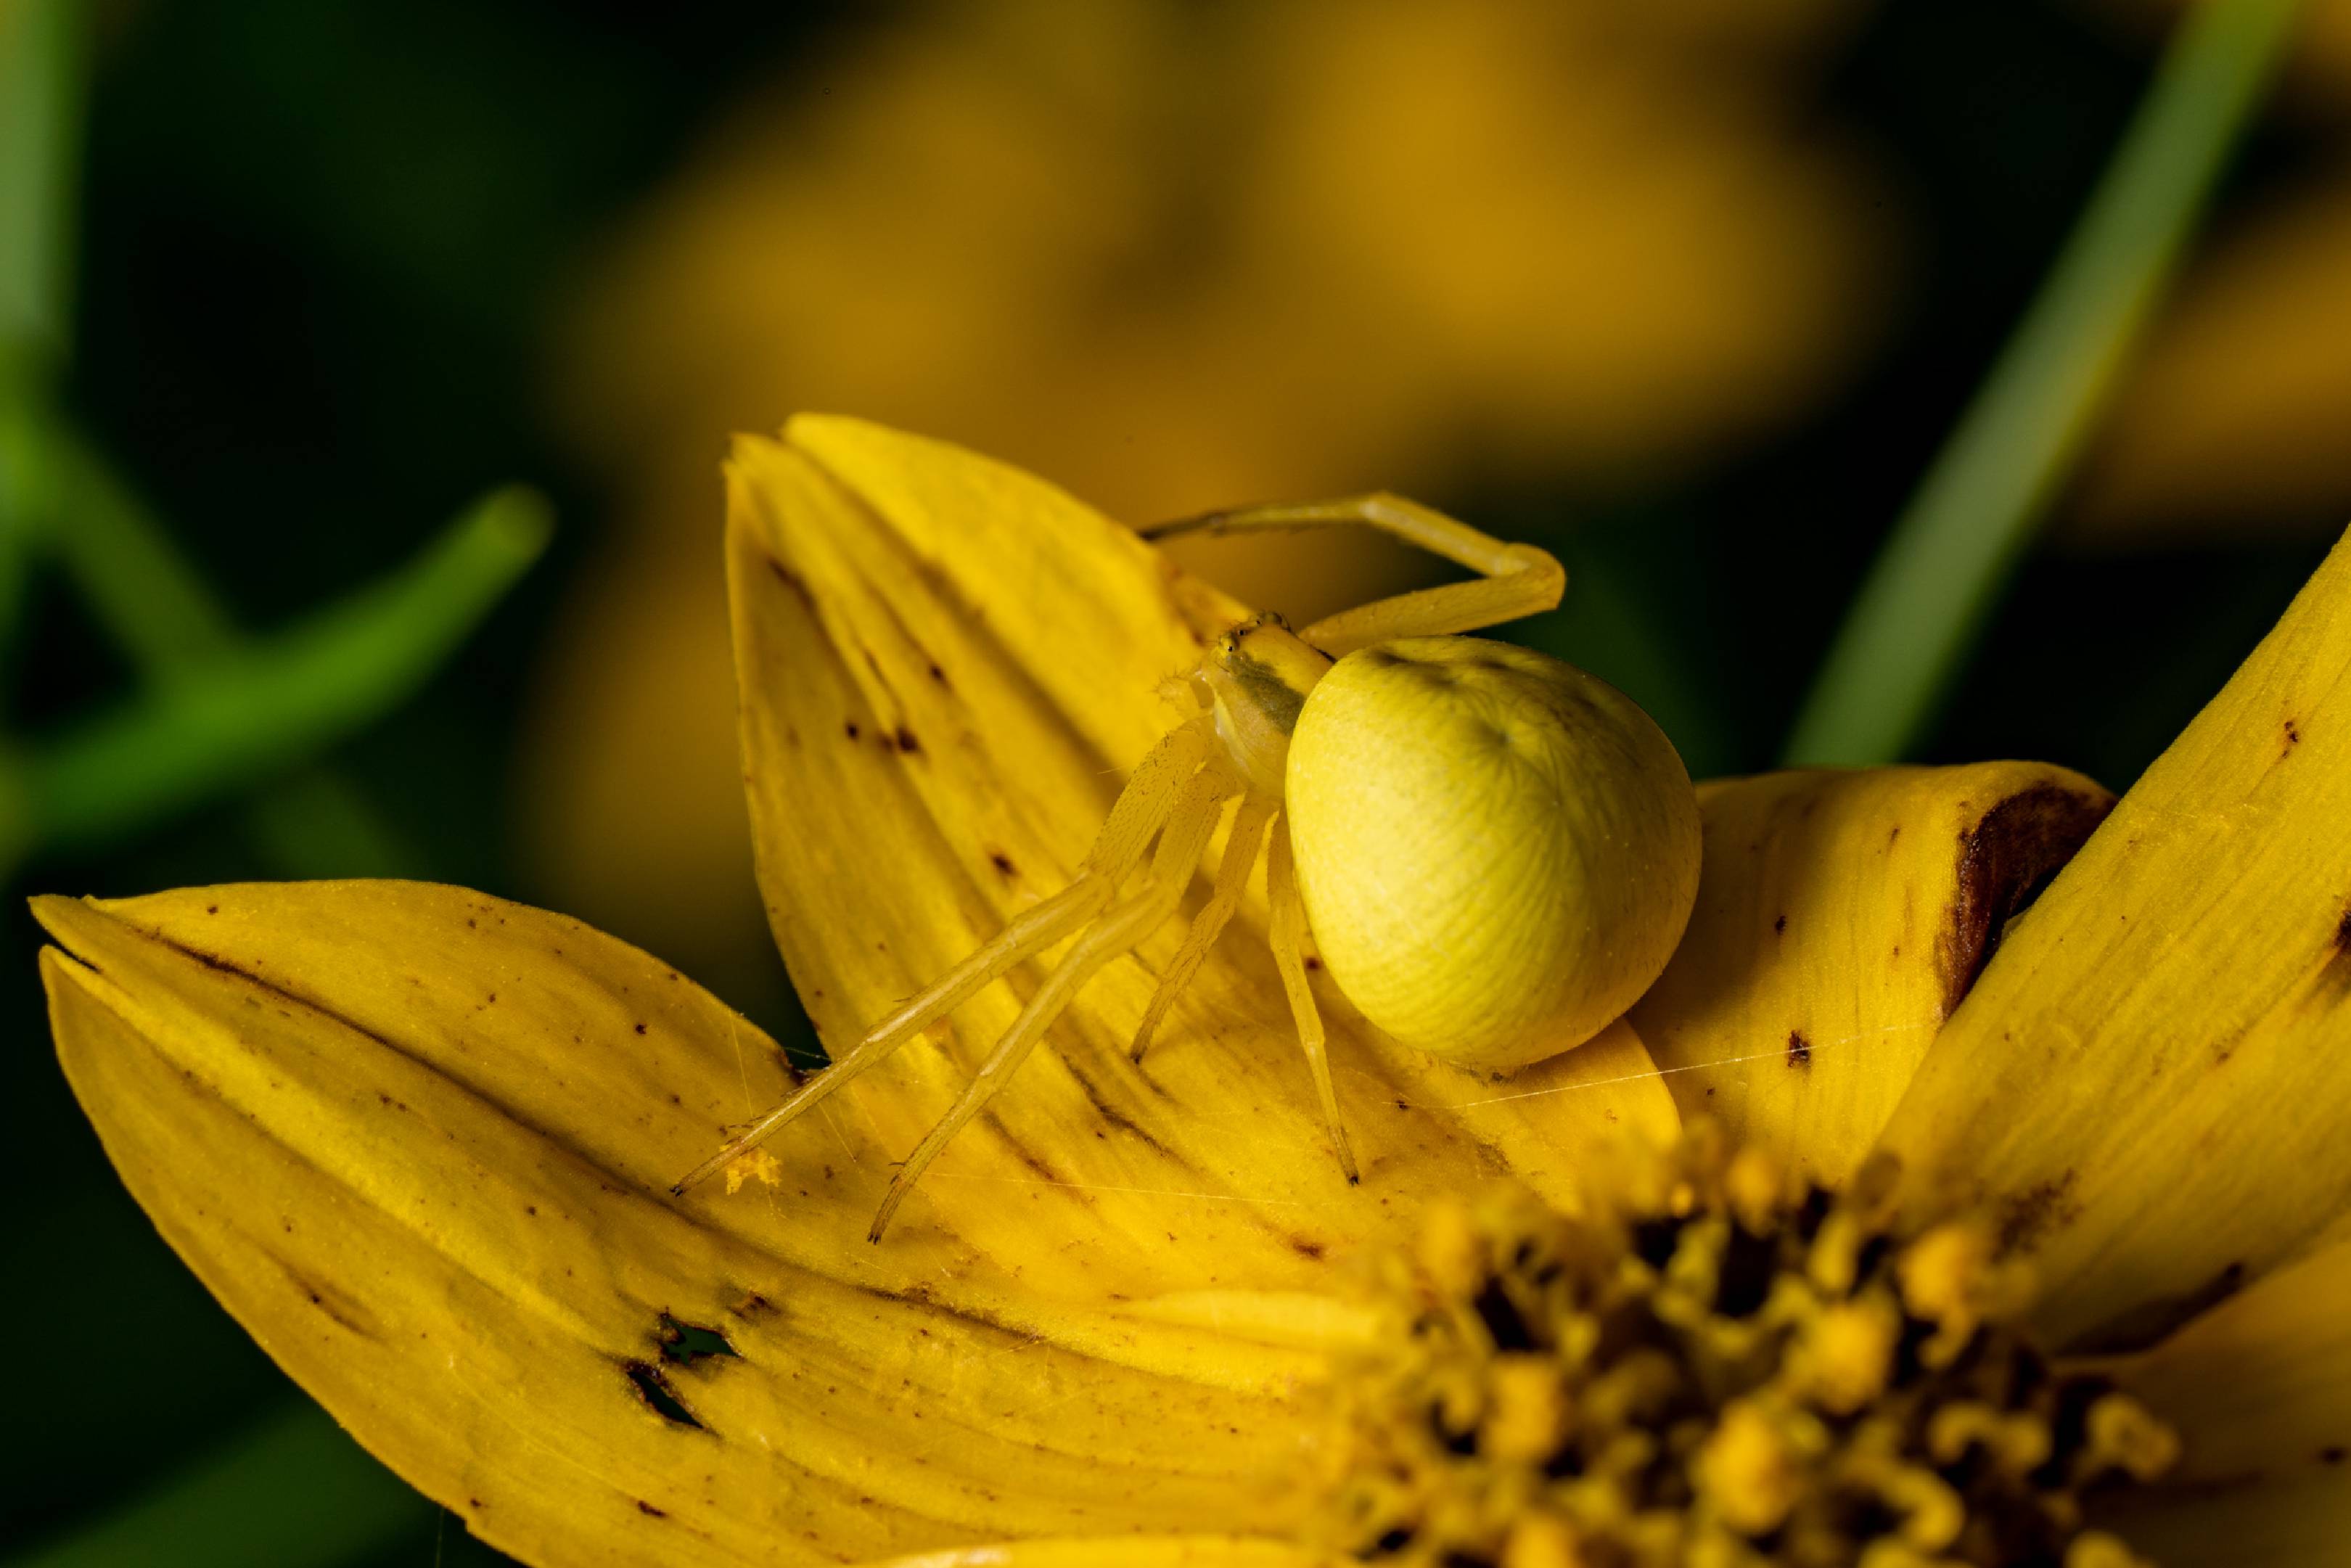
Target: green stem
267 705
294 1493
1941 569
41 49
41 43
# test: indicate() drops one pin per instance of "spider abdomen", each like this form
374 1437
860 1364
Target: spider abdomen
1497 850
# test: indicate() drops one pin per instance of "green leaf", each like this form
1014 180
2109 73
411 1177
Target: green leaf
41 43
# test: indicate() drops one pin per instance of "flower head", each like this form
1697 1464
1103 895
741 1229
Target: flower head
418 1140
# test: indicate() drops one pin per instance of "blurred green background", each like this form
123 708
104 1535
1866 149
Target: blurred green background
1690 293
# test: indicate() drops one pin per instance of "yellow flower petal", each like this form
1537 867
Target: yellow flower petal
1175 1551
2260 1385
2259 1390
2149 1081
948 667
1840 916
416 1140
2300 1525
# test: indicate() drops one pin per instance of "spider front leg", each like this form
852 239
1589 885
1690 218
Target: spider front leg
1179 856
1232 880
1151 796
1514 580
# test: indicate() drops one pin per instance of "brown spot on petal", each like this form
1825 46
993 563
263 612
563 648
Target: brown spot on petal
2005 861
1800 1049
2028 1215
654 1391
2335 964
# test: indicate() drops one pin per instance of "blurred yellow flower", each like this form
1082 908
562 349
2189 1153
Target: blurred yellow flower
2235 418
1180 256
417 1140
2231 419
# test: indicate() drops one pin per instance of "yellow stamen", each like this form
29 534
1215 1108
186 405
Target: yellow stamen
2097 1548
1542 1541
1847 1356
2123 1435
1528 1417
1715 1368
1749 1471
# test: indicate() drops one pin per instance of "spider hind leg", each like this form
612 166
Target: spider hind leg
1287 938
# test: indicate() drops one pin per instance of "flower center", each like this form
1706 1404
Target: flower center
1720 1368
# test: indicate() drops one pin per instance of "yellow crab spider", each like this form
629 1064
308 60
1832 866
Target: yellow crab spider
1494 851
